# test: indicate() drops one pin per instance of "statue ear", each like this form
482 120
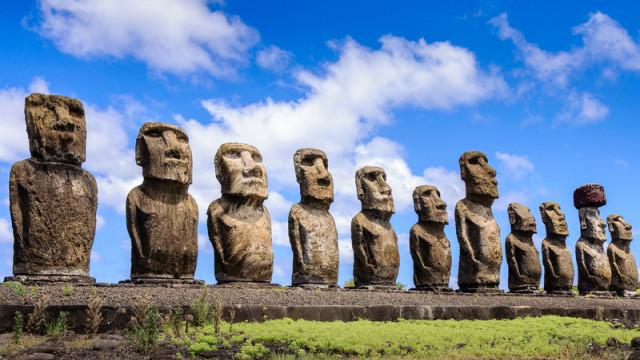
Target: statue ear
583 223
139 144
512 217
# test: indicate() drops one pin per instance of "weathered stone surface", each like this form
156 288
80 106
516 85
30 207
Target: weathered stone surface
162 218
589 195
624 271
594 272
476 228
523 258
239 225
556 257
53 201
428 244
375 244
312 229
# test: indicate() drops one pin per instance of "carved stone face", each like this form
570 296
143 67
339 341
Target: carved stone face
164 153
591 224
553 218
619 229
478 176
56 128
373 191
521 218
428 204
240 171
311 173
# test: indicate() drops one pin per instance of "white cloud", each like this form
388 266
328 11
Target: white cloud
514 165
582 109
96 257
273 58
280 232
6 231
126 244
175 36
100 222
620 162
39 85
346 251
204 244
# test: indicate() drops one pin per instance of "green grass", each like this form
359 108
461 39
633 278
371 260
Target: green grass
549 337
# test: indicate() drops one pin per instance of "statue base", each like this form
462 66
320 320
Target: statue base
480 290
534 290
162 281
561 293
374 287
598 293
432 289
44 279
317 286
248 285
627 293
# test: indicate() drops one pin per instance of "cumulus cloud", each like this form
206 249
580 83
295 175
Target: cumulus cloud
174 36
96 257
273 58
6 232
514 165
204 244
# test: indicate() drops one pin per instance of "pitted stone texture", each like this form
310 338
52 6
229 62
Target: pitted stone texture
312 229
53 201
428 244
556 257
589 195
375 244
594 271
162 218
239 225
624 271
476 228
523 258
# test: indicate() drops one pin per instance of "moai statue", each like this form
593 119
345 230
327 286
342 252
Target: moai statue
162 218
624 272
375 244
476 228
594 272
429 246
312 230
556 257
53 201
523 258
239 225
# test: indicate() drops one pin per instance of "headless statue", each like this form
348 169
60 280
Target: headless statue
523 258
556 257
624 271
375 244
239 225
312 230
53 201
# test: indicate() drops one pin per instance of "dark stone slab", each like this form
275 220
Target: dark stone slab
326 313
382 312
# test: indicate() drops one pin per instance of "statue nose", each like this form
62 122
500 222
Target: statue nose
174 149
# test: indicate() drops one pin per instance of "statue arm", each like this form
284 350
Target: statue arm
213 229
463 234
511 255
580 259
132 223
414 243
294 236
15 203
613 262
548 263
357 243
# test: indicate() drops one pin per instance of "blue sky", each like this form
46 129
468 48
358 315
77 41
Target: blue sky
547 90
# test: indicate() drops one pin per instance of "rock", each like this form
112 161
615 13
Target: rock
104 345
589 195
476 228
53 201
522 256
162 218
624 271
112 337
239 225
613 342
635 342
41 356
375 244
312 229
48 347
556 257
634 355
428 244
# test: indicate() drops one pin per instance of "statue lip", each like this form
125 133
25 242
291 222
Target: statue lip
64 127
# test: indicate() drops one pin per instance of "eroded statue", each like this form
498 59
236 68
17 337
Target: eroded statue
162 218
429 246
556 257
53 201
523 258
375 244
476 228
239 225
312 230
624 271
594 272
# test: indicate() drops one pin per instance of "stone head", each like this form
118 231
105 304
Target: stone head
373 191
311 166
240 171
521 219
619 229
479 178
591 224
553 219
428 204
56 128
164 153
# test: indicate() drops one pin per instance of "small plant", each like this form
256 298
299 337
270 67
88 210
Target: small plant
35 322
176 321
475 296
217 314
16 330
599 313
17 287
94 316
145 331
349 283
400 286
33 291
317 292
251 351
232 317
201 308
60 326
67 290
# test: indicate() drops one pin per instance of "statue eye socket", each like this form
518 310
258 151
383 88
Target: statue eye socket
232 154
474 161
306 162
182 138
153 134
256 158
372 176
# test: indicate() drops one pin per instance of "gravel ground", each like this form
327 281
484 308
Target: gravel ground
122 295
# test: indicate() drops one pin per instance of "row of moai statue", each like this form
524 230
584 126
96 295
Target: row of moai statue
53 203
